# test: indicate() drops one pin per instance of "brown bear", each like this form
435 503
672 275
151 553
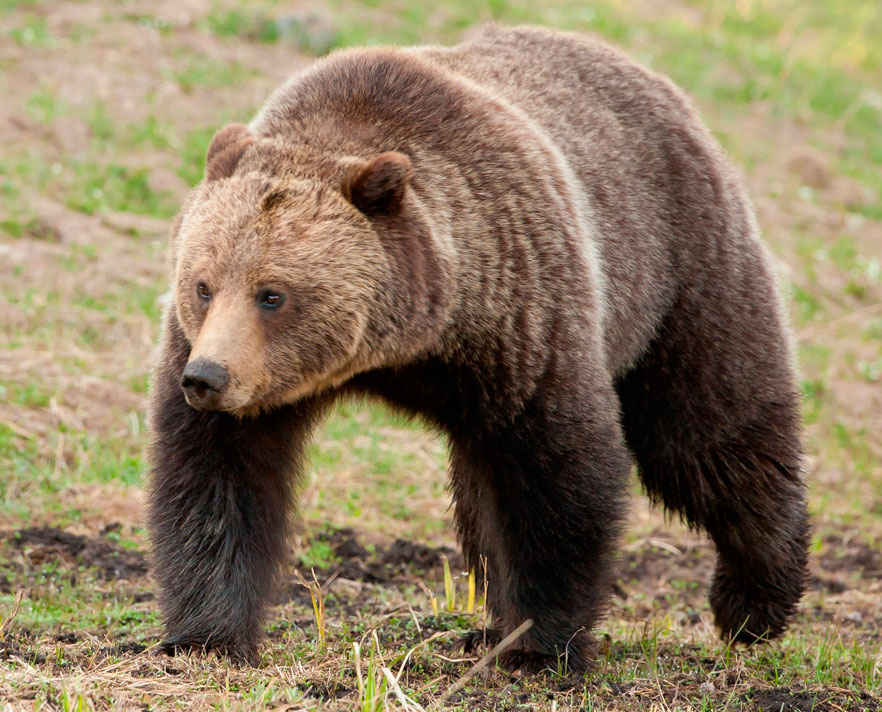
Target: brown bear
532 243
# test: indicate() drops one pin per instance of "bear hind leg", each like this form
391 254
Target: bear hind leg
732 468
762 536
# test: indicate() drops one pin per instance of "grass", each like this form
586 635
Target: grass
242 25
32 32
92 187
93 164
194 70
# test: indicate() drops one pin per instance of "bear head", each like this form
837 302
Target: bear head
281 280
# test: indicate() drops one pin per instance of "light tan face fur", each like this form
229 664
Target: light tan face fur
243 237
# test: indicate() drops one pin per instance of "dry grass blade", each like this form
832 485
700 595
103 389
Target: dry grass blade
16 605
405 701
501 647
316 595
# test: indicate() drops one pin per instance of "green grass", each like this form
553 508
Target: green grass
201 71
9 5
44 105
33 32
243 25
63 602
149 134
93 187
318 555
192 162
30 395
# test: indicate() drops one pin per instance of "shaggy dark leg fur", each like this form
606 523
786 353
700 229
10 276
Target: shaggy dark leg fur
541 498
722 449
218 509
539 491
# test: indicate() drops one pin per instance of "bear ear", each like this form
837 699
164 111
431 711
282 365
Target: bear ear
225 150
378 187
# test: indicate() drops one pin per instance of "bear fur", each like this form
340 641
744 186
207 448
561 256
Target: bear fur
532 243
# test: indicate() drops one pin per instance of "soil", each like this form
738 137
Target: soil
387 564
851 554
651 564
660 577
10 648
48 544
322 690
122 649
783 699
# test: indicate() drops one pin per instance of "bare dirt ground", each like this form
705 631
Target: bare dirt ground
105 112
659 618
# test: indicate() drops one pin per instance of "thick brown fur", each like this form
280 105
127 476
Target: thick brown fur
531 242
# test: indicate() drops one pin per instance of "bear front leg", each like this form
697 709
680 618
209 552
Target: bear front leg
542 499
219 500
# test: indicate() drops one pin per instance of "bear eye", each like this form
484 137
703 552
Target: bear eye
203 291
268 299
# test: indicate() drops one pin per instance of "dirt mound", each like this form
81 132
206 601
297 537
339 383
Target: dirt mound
385 565
45 544
399 562
785 699
652 561
10 649
846 554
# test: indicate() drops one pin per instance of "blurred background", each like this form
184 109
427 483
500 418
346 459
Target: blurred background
107 107
106 112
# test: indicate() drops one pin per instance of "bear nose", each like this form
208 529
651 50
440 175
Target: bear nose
203 382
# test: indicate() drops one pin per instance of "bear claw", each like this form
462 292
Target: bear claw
238 655
518 662
478 639
521 663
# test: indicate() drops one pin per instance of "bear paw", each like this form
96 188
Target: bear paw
520 662
478 639
753 612
239 655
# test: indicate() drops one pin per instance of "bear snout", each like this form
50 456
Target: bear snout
204 382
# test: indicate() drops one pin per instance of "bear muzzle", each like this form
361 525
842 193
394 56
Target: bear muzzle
204 383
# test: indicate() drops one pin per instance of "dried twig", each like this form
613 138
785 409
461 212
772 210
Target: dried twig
503 645
16 605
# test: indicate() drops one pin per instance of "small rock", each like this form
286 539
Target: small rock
810 166
42 229
850 193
